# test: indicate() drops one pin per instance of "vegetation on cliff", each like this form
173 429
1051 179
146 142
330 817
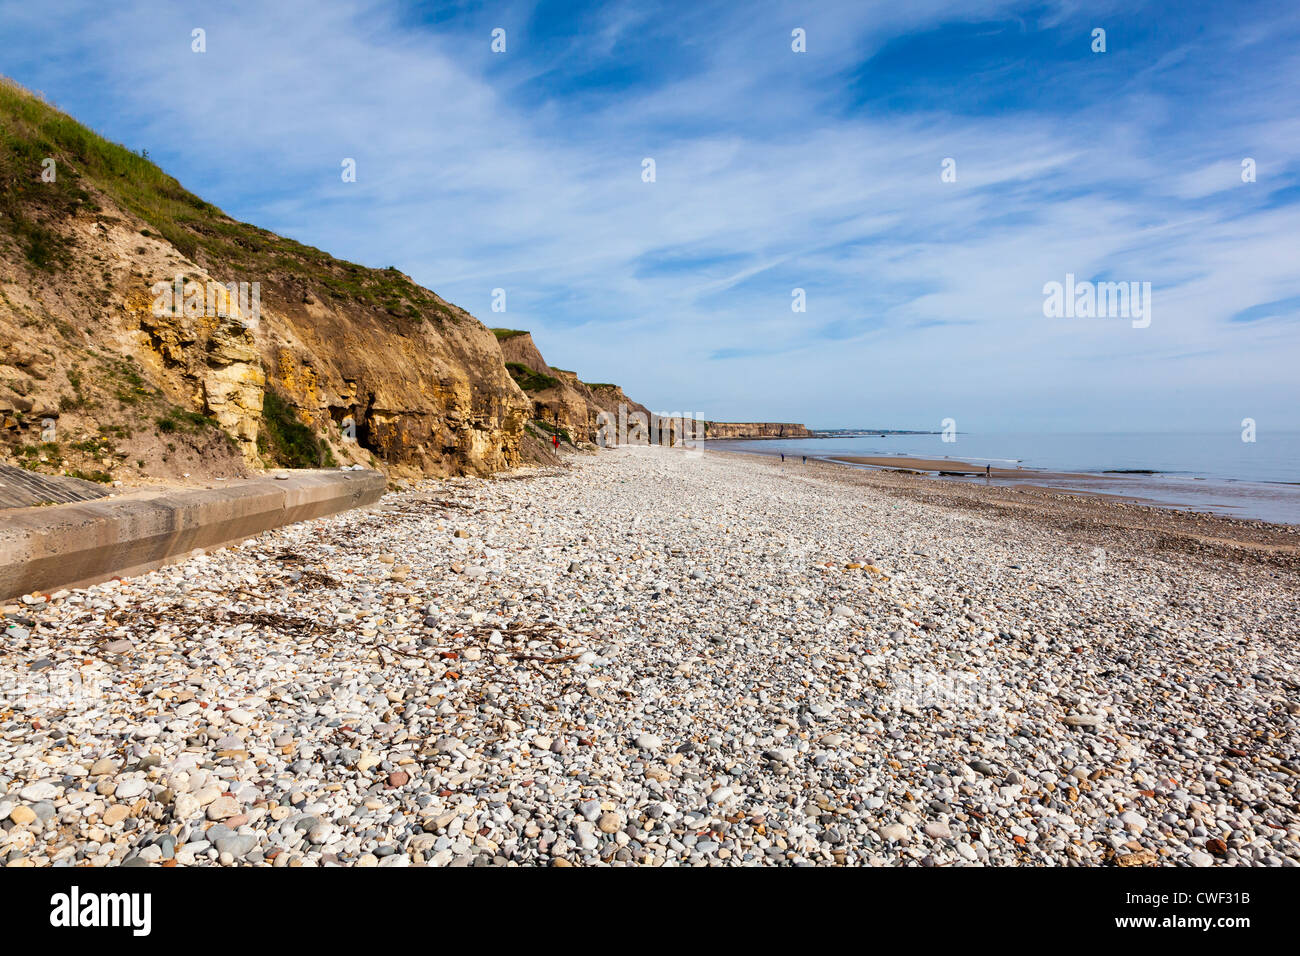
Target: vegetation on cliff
285 441
88 231
31 132
529 380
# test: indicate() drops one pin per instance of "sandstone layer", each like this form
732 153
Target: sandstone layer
738 430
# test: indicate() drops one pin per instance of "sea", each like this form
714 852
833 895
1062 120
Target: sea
1214 472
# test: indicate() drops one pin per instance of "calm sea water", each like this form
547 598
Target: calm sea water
1203 471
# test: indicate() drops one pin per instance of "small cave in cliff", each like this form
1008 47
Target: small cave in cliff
362 429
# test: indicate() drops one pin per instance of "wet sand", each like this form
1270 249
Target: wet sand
1272 502
953 466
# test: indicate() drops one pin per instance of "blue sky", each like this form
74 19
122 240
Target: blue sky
775 170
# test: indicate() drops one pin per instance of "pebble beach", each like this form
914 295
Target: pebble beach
654 657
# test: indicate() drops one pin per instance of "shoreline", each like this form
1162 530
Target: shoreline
954 467
1092 516
1272 502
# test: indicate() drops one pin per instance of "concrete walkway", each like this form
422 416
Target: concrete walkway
80 543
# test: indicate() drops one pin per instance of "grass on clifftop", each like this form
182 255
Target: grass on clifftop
31 131
503 334
529 380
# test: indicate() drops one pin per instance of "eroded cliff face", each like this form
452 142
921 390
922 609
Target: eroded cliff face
518 347
420 396
139 342
426 396
210 363
145 334
740 430
559 398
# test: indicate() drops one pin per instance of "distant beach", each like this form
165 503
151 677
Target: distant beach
1213 474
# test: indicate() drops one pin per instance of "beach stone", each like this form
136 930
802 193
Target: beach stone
894 833
22 815
39 791
222 807
368 761
1133 821
130 788
1143 857
186 806
1082 720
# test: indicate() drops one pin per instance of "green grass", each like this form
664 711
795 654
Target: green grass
285 441
180 420
503 334
529 380
103 477
32 130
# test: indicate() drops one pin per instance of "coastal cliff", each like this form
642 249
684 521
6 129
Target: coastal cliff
146 333
740 430
559 398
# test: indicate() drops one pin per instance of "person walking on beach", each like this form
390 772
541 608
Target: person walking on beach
805 459
783 458
988 471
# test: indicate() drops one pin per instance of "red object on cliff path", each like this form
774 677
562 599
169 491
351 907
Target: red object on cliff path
555 440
